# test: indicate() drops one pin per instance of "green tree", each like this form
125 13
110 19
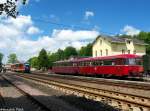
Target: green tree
145 36
1 57
12 58
70 51
86 50
43 59
34 62
60 54
52 58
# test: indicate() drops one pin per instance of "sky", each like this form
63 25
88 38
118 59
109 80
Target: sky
54 24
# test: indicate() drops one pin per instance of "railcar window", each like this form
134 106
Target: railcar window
82 63
134 61
94 63
101 63
87 63
120 61
109 62
90 63
79 63
131 61
97 63
58 64
71 64
55 64
74 64
65 64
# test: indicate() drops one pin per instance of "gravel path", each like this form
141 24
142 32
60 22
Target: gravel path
15 100
57 97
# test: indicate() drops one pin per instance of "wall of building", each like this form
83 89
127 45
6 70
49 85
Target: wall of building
101 45
134 48
140 49
116 48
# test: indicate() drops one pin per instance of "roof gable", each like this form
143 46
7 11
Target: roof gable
116 39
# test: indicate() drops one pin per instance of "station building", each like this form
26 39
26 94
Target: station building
108 45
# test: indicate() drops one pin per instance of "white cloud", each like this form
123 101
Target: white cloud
20 22
71 35
130 30
15 38
33 30
88 14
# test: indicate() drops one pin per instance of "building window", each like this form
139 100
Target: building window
128 41
96 53
134 52
128 51
106 51
101 53
100 42
123 51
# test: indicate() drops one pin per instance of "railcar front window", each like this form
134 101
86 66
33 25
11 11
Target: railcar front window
134 61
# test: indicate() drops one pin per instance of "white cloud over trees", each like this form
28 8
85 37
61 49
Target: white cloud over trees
130 30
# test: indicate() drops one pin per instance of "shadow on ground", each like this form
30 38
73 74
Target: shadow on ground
59 103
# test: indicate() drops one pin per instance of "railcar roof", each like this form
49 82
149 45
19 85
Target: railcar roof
101 58
110 57
65 61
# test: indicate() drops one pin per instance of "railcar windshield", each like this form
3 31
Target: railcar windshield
134 61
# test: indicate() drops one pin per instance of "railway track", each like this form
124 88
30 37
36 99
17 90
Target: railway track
123 83
122 101
37 104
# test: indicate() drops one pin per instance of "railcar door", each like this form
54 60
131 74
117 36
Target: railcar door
121 69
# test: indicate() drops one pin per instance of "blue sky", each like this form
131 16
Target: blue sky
109 15
54 24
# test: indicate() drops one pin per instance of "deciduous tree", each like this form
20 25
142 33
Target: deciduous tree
70 51
12 58
86 51
34 62
1 57
43 59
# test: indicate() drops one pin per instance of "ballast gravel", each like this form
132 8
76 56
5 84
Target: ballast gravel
59 101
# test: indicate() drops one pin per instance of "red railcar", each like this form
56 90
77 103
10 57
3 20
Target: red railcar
118 65
66 67
20 67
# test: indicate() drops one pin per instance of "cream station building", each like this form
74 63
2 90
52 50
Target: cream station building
108 45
